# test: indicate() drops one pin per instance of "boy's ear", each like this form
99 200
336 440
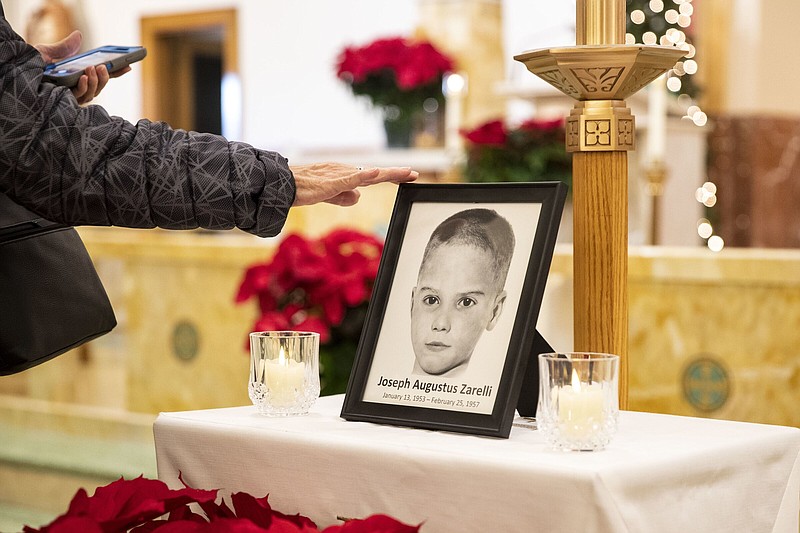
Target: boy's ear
497 310
413 291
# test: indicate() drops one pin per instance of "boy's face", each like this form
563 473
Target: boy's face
454 301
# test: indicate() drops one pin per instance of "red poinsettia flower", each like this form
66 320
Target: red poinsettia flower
309 284
298 260
357 257
354 251
422 64
330 303
315 324
185 513
374 524
256 279
71 524
412 63
124 504
340 291
356 63
269 321
273 321
261 513
531 151
226 525
395 73
490 133
535 124
136 505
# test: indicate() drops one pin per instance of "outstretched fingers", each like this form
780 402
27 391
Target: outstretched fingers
391 175
337 183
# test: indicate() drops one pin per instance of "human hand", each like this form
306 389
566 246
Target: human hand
95 78
336 183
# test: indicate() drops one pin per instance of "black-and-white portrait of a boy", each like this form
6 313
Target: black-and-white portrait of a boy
460 290
452 305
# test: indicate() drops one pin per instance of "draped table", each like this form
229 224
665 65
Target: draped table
660 472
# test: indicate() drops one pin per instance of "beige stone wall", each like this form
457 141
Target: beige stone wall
710 335
740 309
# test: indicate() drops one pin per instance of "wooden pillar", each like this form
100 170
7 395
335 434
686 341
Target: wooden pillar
600 258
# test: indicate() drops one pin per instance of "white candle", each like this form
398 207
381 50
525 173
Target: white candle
657 120
454 86
283 377
580 408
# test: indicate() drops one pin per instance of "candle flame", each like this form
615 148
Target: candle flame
282 357
576 382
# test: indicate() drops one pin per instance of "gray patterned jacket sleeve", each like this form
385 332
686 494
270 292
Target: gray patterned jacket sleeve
80 166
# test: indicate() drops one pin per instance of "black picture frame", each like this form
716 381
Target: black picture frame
388 384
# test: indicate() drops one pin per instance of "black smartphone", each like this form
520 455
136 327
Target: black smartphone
69 71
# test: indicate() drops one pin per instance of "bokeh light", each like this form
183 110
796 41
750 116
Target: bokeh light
671 16
705 230
716 243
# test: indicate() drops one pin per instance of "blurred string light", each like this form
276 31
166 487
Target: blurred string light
706 194
667 22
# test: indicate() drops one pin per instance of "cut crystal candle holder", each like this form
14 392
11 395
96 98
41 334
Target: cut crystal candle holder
284 371
578 399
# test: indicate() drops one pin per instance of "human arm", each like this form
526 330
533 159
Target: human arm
333 183
78 165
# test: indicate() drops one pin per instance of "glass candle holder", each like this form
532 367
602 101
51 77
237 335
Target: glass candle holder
284 371
578 399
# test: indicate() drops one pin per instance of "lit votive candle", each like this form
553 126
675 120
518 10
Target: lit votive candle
580 408
284 378
284 371
578 399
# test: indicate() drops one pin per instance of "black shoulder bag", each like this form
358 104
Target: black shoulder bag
51 299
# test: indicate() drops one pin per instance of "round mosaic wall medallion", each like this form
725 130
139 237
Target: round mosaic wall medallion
706 384
185 341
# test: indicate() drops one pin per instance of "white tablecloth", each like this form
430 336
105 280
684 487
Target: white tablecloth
660 473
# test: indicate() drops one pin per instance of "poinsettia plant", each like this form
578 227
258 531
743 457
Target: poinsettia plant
532 151
397 75
144 505
318 284
394 71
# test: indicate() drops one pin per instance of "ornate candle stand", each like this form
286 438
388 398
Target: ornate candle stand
655 175
601 72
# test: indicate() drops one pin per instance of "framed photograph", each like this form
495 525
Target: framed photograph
452 319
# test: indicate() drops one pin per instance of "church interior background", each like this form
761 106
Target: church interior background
714 266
